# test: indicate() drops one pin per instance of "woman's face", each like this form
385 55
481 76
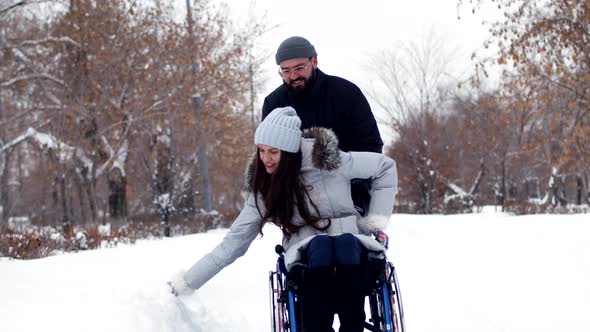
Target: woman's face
270 157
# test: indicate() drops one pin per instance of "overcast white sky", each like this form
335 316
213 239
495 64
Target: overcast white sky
346 33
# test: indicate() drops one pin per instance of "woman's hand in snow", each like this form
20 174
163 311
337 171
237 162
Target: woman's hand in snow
178 285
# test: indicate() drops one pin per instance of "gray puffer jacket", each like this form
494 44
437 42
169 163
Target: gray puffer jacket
327 171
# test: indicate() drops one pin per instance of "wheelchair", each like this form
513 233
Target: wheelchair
384 299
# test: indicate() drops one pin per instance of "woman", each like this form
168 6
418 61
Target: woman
302 185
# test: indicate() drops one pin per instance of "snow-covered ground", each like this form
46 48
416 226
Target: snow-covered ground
481 272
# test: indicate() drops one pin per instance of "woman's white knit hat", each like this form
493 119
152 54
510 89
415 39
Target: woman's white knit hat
280 129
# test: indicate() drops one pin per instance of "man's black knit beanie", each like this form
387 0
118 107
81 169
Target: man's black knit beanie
294 47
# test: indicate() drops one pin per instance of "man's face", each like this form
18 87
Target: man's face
297 73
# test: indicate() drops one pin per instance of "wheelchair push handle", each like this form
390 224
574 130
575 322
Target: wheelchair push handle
279 250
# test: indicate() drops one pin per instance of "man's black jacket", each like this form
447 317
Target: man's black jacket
335 103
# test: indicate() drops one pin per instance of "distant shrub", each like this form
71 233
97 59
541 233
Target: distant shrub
455 204
42 241
522 208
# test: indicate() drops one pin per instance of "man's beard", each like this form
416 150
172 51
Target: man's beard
307 84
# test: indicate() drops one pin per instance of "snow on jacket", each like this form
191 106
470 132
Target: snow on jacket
335 103
327 171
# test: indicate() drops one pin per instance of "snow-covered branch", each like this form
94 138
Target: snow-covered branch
458 190
15 117
11 143
118 159
44 76
47 40
49 142
12 6
460 200
16 4
121 157
477 182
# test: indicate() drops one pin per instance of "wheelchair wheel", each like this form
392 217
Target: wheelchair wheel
273 302
278 307
282 304
395 299
385 305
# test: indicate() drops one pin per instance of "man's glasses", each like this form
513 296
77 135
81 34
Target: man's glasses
297 69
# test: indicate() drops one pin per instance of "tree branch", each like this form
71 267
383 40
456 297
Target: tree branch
44 76
67 40
11 7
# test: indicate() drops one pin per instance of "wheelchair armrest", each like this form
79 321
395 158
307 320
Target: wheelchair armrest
375 272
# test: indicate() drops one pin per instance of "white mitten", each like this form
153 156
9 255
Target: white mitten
178 285
367 225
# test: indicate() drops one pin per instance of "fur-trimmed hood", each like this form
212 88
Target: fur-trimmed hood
319 147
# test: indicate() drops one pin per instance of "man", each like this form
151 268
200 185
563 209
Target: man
325 101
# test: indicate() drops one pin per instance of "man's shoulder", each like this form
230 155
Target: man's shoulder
339 82
279 93
277 98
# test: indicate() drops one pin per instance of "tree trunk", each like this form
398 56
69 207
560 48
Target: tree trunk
186 198
163 180
556 196
429 191
59 191
421 182
89 186
166 223
3 181
91 199
579 190
80 192
117 195
64 200
4 193
479 179
502 197
54 188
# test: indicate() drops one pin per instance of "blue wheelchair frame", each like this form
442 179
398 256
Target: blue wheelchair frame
386 310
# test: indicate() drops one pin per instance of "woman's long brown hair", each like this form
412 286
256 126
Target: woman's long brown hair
281 192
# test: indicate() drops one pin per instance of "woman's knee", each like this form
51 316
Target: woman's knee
347 250
319 252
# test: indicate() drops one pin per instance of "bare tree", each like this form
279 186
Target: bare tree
105 88
543 47
416 82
